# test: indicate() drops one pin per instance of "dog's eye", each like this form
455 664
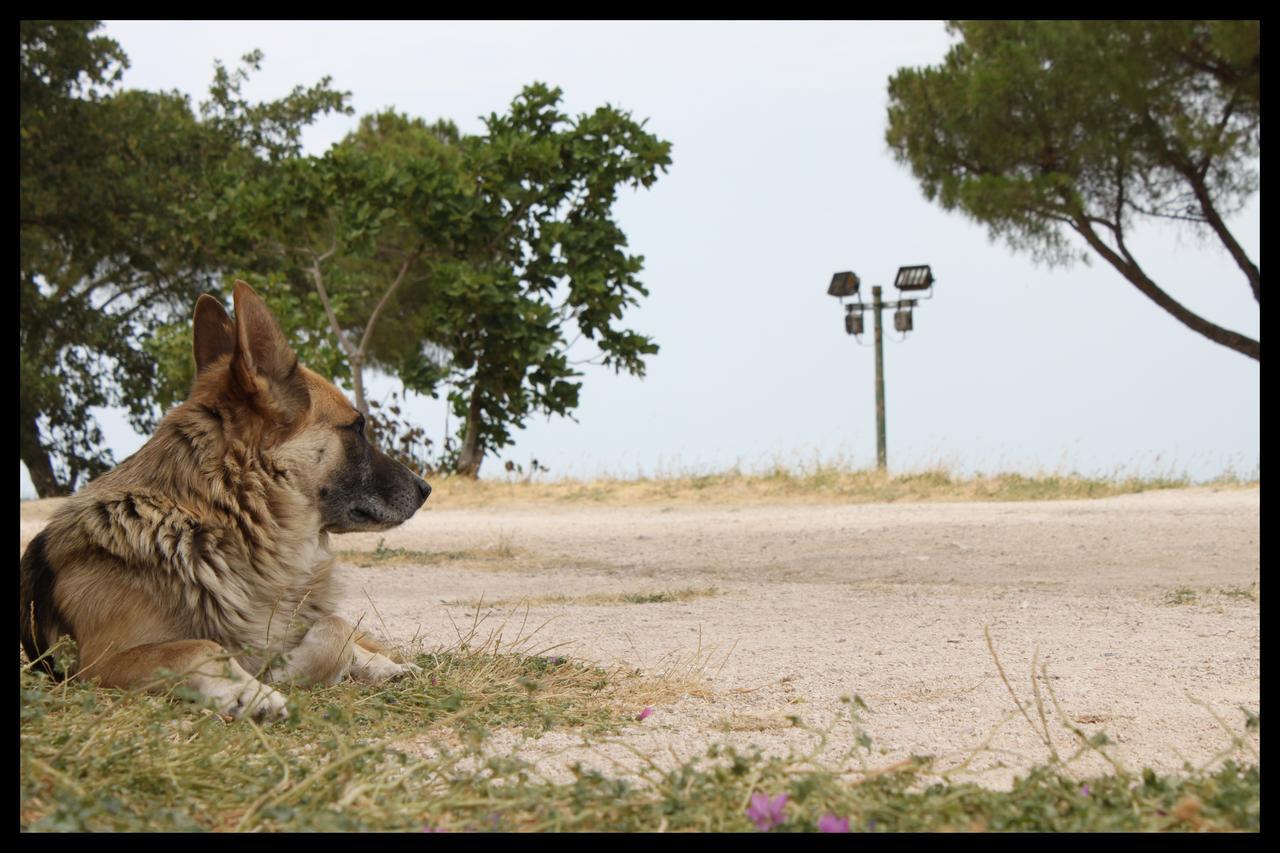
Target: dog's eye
356 426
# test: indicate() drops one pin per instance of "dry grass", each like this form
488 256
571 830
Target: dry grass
816 483
665 596
104 760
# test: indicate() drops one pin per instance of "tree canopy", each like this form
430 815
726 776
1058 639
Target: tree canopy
537 264
119 228
483 267
1045 129
468 265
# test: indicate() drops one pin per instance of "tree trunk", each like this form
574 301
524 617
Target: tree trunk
472 454
36 458
357 382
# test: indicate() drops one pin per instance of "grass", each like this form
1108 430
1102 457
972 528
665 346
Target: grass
1181 595
817 482
382 555
666 596
411 756
1189 595
1248 593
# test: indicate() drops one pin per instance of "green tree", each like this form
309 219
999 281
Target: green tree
347 229
120 229
536 264
466 264
1041 129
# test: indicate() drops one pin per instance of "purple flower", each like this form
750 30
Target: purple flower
1084 789
767 813
644 714
831 823
433 829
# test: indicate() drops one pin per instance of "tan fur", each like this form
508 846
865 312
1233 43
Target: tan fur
203 554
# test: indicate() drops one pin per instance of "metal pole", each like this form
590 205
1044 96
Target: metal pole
882 458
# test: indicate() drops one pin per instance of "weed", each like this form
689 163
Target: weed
1249 593
1181 595
593 598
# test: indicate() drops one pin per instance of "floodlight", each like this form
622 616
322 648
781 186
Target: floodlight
914 278
843 284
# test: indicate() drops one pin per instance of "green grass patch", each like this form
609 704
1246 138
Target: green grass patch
1181 595
666 596
412 755
103 760
382 555
1248 593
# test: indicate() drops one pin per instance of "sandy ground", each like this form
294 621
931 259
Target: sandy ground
1142 606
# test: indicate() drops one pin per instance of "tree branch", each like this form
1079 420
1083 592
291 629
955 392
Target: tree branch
373 318
318 278
1195 176
1238 254
1131 271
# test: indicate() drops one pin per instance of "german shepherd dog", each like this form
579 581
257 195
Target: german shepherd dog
205 554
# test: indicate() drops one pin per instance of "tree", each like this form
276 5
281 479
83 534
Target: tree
119 229
467 263
1038 129
349 227
535 264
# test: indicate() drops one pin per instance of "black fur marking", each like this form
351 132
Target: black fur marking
37 593
213 413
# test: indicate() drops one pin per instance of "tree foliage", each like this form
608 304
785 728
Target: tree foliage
1045 129
536 264
120 228
465 265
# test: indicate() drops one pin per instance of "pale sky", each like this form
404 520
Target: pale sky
781 177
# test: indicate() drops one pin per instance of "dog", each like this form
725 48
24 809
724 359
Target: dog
204 556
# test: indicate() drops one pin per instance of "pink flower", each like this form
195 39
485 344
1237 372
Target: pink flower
831 823
644 714
1084 789
767 813
433 829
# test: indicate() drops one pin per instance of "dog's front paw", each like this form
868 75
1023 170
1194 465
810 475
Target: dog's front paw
236 699
373 668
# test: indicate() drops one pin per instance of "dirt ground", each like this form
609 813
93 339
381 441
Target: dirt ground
1144 607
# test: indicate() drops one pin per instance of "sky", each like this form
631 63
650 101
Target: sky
781 177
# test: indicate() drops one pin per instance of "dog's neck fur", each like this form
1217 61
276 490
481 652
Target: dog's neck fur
227 516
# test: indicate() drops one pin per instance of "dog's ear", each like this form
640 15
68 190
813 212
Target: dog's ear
263 366
215 334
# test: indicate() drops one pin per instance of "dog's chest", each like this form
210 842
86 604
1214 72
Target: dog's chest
279 597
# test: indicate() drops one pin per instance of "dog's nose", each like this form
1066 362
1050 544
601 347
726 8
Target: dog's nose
424 488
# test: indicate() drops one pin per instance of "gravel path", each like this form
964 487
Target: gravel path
1141 606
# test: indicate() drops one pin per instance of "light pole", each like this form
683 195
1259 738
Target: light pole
909 279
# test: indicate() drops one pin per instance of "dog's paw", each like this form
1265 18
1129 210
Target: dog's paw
251 698
376 669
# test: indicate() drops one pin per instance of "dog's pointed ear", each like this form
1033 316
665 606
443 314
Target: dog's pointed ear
263 365
215 334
